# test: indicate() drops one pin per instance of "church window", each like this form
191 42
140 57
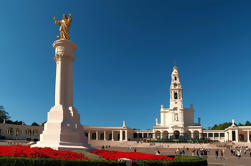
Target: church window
175 95
175 78
176 117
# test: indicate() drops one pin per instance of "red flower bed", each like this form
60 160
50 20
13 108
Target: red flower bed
26 151
114 155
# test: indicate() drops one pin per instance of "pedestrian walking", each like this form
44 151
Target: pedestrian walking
216 154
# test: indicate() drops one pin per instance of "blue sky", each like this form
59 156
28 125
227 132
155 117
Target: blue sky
126 51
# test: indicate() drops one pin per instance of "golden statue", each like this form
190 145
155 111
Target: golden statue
64 26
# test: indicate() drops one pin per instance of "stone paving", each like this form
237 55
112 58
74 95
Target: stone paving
228 159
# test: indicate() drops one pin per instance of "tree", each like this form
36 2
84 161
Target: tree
34 124
247 123
221 126
240 124
15 122
3 114
43 123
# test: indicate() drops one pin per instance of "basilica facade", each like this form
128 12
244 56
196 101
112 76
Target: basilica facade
176 122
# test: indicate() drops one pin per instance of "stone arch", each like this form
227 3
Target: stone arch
17 132
165 135
176 134
157 134
188 135
10 131
196 134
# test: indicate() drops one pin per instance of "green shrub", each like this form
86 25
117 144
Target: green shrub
25 161
180 161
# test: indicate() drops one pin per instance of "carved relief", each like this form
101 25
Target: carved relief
63 52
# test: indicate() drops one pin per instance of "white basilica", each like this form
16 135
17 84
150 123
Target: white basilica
176 121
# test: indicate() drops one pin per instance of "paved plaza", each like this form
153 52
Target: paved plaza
228 160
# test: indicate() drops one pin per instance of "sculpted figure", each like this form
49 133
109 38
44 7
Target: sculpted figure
64 26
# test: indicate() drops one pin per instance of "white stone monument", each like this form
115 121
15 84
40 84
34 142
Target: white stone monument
63 129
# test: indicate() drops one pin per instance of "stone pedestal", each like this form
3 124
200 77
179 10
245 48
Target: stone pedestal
63 129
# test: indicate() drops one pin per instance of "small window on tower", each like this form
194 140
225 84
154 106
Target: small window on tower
175 95
175 78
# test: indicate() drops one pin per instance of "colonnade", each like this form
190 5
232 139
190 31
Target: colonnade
233 135
107 135
177 134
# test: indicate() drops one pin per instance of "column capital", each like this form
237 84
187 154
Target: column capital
64 49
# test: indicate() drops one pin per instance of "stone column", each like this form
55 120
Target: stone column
120 135
112 136
63 130
230 135
161 135
89 135
200 135
104 135
248 140
126 139
226 136
236 135
154 136
97 135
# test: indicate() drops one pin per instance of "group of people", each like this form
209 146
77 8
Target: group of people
238 151
219 153
105 147
200 152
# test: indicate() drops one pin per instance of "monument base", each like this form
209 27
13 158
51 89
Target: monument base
63 130
62 147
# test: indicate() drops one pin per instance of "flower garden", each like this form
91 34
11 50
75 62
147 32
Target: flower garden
25 155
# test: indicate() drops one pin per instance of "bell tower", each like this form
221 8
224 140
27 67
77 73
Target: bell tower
176 97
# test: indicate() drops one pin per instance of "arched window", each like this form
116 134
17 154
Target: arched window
175 78
176 134
10 131
175 95
17 132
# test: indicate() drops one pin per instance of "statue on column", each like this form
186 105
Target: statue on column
64 26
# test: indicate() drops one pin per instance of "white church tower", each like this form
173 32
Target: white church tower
176 98
176 120
174 115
